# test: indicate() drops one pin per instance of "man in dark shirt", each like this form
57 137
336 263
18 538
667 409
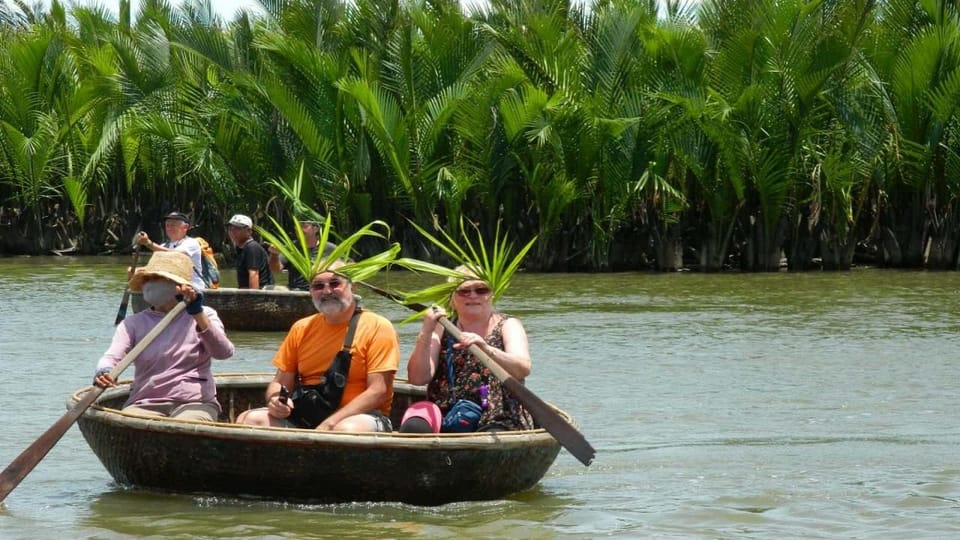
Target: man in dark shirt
253 272
295 281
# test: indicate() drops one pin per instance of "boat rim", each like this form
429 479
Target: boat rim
476 440
256 292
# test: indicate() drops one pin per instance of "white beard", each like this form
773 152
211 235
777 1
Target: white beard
329 305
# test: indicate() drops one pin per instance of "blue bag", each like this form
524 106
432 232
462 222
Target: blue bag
464 415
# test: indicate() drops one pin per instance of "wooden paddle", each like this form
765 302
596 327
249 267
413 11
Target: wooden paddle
29 458
544 414
122 312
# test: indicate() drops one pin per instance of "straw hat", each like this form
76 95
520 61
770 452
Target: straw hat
173 265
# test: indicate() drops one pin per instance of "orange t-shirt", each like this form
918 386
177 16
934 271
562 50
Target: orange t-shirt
312 343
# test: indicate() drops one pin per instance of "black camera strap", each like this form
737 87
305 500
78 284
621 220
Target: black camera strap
348 340
347 344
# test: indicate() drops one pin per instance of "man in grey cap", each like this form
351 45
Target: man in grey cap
253 272
176 225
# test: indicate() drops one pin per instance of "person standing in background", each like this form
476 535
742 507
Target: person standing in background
176 225
295 281
253 272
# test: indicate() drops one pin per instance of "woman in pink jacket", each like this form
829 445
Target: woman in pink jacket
173 376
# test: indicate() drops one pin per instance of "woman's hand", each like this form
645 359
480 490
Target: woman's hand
469 338
192 297
188 293
433 315
103 378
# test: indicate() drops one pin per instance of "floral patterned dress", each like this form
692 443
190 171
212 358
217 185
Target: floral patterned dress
502 410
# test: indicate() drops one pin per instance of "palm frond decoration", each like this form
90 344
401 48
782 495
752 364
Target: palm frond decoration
297 252
495 266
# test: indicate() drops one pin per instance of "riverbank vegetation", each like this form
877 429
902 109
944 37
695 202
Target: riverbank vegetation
734 134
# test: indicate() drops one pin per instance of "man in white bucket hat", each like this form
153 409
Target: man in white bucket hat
172 374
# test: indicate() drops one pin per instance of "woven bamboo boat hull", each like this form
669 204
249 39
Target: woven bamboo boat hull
304 465
259 310
254 310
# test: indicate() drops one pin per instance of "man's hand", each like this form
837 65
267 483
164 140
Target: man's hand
279 409
143 239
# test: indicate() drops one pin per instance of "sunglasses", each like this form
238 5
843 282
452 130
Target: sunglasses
479 291
322 285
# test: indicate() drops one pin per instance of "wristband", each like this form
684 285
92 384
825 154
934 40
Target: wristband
196 307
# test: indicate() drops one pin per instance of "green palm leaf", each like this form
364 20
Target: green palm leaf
495 266
297 252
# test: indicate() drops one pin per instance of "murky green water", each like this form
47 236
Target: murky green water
721 406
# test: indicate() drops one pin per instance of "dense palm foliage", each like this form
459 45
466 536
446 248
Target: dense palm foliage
622 134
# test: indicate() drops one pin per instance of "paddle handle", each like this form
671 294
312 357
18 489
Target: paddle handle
20 467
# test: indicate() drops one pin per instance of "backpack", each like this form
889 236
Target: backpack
209 271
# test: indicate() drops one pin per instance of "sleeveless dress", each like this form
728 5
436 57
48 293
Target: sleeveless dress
503 411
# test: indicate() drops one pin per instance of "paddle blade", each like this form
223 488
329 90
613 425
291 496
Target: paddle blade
122 310
28 459
20 467
550 420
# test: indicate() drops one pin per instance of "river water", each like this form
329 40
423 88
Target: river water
721 406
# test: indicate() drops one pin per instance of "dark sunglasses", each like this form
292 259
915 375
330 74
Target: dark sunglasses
479 291
322 285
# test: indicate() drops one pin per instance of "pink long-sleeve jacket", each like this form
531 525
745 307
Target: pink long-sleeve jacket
176 366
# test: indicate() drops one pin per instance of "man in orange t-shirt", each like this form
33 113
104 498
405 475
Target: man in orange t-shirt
309 348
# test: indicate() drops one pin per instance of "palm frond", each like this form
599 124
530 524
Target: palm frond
495 266
297 252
